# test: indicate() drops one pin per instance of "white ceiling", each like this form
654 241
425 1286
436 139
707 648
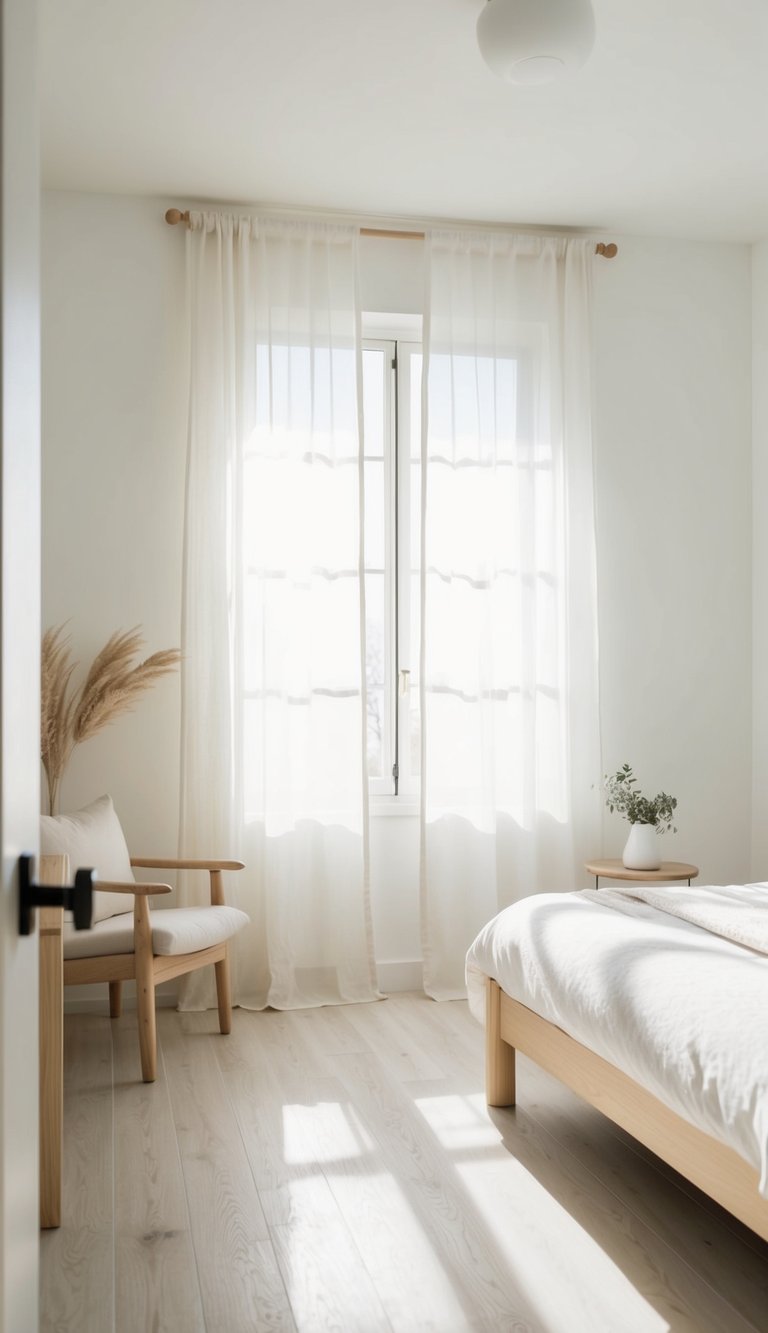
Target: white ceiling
384 107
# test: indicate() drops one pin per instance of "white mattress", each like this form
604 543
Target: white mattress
681 1011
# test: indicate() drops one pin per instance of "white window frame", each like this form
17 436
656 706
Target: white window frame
399 336
409 653
379 787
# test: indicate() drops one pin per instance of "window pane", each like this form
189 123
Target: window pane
410 523
374 364
303 397
473 408
414 732
378 582
376 673
375 514
415 514
414 414
299 515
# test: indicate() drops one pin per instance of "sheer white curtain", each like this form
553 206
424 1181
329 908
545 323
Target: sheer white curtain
273 713
509 687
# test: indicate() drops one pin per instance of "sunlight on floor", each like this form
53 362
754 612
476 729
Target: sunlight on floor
541 1230
395 1239
458 1121
540 1238
322 1132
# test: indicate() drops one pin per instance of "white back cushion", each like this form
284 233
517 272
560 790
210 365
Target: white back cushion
92 838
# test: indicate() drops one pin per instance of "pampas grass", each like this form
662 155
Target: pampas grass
111 687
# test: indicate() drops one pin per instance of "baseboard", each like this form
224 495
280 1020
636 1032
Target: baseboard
407 974
403 975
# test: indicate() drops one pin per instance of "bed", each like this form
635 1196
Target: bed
652 1005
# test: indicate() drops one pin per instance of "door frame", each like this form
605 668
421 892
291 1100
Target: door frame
19 657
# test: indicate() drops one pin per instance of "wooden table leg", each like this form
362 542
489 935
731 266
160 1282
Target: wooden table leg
53 870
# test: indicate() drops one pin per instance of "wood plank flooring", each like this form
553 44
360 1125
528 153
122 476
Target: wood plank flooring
337 1169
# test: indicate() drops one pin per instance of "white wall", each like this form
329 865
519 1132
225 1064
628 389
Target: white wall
113 479
672 416
673 427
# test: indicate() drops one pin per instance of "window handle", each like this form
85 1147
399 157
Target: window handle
404 681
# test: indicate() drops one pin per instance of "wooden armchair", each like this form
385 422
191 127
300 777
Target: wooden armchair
150 947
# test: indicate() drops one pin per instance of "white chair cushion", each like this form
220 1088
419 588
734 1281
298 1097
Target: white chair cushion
175 930
92 839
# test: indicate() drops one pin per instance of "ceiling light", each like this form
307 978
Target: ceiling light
535 41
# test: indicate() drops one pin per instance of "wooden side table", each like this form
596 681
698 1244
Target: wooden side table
667 872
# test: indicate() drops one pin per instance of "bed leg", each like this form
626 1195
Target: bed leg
499 1057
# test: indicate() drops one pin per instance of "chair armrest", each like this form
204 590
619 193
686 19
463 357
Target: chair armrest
166 863
214 869
139 890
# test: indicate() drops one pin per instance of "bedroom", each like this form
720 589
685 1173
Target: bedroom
639 151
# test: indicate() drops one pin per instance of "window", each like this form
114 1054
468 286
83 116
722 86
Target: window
392 419
282 500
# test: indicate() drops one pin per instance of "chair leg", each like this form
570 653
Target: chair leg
115 999
145 1004
224 993
145 990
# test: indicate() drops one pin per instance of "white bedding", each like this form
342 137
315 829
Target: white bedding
738 912
680 1010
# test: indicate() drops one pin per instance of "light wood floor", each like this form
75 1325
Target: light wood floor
337 1169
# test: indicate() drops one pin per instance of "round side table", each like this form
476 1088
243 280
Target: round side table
615 869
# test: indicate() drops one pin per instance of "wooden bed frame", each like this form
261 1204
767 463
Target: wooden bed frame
707 1163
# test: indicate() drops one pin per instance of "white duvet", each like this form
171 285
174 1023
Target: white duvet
679 1009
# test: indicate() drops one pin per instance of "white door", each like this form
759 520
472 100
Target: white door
19 658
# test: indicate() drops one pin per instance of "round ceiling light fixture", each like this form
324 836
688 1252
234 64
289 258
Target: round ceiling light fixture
535 41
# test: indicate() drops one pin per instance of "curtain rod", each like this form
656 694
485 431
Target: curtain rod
174 216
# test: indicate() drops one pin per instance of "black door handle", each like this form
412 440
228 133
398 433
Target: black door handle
78 899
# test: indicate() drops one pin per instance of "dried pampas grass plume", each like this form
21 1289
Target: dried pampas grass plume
56 708
111 687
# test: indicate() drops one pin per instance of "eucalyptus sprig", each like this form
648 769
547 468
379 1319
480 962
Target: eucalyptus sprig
623 798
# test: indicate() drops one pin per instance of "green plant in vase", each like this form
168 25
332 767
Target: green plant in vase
648 815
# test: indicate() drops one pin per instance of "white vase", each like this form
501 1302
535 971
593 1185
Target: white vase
642 849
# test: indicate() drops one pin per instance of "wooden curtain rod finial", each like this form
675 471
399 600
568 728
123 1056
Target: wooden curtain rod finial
174 216
607 251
